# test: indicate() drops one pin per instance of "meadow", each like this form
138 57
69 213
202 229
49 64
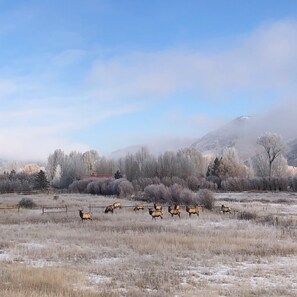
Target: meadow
250 252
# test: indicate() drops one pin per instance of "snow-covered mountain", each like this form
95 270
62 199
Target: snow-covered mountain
236 133
292 153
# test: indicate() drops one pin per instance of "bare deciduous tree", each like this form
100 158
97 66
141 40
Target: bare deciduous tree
273 145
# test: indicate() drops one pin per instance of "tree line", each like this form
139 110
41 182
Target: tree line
187 168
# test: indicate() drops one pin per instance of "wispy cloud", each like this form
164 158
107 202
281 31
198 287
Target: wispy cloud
264 60
44 108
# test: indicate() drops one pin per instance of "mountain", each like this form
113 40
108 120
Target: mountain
236 133
292 153
156 147
241 133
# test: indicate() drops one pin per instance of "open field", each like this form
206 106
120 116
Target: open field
129 254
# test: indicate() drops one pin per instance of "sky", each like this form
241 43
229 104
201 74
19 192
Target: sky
108 74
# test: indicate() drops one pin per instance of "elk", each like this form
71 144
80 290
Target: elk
225 209
192 210
85 216
117 205
109 208
174 210
138 207
157 207
155 213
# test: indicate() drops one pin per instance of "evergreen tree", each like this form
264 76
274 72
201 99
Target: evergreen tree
213 169
41 182
118 175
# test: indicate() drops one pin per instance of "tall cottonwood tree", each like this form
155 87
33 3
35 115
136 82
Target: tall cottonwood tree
89 159
274 146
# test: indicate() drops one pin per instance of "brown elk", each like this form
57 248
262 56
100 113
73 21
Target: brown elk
117 205
109 208
85 216
174 210
138 207
155 213
157 207
225 209
192 210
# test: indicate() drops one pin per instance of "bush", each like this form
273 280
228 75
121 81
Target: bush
157 193
246 215
206 198
26 203
126 188
188 197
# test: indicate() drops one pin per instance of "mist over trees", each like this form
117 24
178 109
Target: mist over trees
171 176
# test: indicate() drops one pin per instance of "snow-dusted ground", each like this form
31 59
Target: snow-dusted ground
112 249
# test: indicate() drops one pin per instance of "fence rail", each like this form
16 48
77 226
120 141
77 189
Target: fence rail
10 208
54 209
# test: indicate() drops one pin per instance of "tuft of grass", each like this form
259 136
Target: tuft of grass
246 215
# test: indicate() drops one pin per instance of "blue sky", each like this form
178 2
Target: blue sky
105 75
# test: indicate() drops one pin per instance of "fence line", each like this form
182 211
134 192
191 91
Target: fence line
10 208
54 209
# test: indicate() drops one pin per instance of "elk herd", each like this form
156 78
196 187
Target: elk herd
157 210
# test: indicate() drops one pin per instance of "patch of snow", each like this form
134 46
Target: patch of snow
107 261
33 245
99 279
5 257
41 263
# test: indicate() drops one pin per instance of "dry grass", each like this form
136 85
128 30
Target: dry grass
129 254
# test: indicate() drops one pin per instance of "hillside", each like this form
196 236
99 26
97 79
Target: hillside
292 153
234 134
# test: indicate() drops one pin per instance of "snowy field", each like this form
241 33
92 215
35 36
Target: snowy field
129 254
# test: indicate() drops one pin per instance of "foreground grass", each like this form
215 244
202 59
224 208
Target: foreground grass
128 254
19 281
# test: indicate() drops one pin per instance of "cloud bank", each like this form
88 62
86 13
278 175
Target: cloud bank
53 102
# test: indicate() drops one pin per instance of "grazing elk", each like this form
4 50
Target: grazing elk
155 213
192 210
138 207
174 210
117 205
225 209
157 207
109 208
85 216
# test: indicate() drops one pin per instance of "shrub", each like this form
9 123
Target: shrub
26 203
188 197
193 183
206 198
247 215
126 188
157 193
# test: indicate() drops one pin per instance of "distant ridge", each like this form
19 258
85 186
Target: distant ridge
233 134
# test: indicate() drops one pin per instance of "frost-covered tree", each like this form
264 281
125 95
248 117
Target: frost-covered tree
231 166
192 162
131 167
260 164
105 166
55 159
89 159
274 146
57 177
72 169
167 164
